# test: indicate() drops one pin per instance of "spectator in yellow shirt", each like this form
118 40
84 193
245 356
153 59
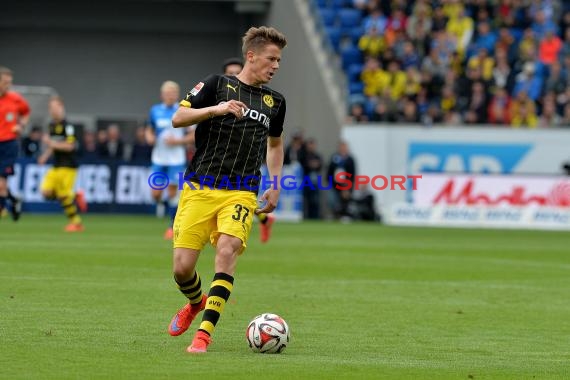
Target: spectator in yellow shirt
395 80
413 82
452 8
527 46
461 27
372 44
372 76
483 61
523 112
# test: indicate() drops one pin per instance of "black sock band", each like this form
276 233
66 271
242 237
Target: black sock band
192 289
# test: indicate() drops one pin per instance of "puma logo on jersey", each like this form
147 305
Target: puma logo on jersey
232 87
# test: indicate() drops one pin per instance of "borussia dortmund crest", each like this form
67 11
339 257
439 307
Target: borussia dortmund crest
268 100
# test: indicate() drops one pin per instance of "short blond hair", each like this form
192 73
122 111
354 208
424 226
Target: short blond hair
57 99
170 84
256 38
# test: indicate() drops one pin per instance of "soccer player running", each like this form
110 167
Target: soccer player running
232 67
169 151
239 119
59 181
14 115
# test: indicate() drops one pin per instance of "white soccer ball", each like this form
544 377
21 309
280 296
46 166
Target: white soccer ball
267 333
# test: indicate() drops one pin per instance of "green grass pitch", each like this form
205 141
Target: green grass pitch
363 301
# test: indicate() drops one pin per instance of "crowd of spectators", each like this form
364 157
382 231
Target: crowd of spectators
503 62
304 152
104 144
344 205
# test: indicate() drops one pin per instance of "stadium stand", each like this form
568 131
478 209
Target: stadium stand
467 58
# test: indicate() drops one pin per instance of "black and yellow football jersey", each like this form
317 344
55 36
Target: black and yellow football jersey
63 131
230 151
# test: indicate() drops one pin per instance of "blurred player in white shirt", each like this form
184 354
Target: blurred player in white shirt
169 147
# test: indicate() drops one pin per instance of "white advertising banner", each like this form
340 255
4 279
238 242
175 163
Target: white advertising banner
412 150
487 201
546 218
491 190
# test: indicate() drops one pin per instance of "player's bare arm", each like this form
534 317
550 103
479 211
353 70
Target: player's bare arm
274 167
186 140
19 128
62 146
186 116
54 145
149 136
42 159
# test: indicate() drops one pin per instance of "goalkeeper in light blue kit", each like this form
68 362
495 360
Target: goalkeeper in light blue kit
169 147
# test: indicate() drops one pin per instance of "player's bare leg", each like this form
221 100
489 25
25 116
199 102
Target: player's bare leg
69 207
189 283
172 206
3 194
157 197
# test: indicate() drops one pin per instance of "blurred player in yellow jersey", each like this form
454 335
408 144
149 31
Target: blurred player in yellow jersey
59 181
232 67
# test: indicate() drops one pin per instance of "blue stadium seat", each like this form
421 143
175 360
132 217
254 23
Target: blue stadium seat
321 3
334 36
369 106
350 55
357 99
355 88
328 16
356 33
349 18
353 72
341 3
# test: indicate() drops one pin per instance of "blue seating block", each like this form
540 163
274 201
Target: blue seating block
349 18
341 3
334 35
355 88
350 55
328 16
353 72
